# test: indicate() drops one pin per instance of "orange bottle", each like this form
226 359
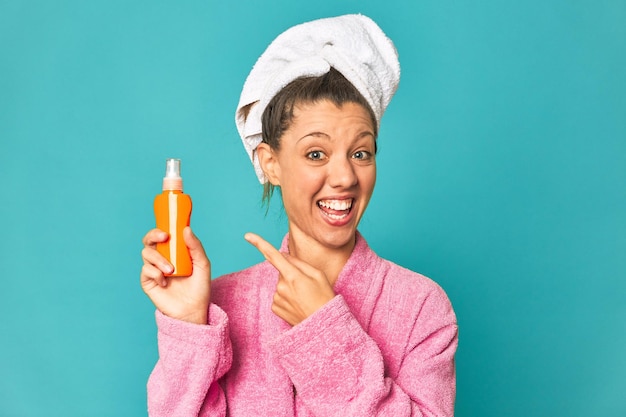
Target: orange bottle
172 209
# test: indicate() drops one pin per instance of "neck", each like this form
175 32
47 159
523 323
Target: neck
328 260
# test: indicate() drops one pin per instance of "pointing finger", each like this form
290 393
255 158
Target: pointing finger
269 252
307 269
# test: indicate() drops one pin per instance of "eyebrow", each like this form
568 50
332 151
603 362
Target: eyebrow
323 135
314 135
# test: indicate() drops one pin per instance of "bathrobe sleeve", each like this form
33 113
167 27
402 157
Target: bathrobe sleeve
338 369
191 359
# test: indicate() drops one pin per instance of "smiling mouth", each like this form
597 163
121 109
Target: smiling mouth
336 209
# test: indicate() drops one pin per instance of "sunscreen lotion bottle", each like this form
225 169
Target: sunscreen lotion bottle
172 210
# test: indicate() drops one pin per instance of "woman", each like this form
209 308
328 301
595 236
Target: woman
324 327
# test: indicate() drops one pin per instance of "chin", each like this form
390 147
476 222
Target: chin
338 239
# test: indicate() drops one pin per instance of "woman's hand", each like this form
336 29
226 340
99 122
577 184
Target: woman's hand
182 298
301 289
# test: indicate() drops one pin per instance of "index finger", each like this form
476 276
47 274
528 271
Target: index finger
269 252
153 237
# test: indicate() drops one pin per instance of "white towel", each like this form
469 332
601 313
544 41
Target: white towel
352 44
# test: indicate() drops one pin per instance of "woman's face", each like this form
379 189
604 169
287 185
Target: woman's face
326 169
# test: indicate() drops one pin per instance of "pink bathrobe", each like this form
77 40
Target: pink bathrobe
384 346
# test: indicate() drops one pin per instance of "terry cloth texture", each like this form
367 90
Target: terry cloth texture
384 346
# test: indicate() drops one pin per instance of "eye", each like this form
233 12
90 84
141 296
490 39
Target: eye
315 155
362 155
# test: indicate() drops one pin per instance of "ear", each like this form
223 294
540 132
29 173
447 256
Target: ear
269 163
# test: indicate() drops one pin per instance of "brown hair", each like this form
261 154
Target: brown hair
279 113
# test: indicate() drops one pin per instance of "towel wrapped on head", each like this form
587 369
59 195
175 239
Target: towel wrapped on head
352 44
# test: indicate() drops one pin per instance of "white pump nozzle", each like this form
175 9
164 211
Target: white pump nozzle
172 179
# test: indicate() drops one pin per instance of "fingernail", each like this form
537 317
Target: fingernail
168 269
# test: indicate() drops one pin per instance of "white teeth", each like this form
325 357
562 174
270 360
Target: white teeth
338 205
335 216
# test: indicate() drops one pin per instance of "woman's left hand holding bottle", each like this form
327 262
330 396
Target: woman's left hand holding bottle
182 298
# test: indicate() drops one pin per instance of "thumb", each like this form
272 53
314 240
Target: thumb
196 250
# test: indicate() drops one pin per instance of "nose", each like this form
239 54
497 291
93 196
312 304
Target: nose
341 173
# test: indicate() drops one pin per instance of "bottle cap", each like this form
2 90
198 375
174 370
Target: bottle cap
172 179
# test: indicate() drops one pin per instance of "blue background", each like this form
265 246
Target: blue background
502 175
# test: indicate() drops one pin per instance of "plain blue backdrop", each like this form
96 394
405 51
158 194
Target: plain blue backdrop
502 176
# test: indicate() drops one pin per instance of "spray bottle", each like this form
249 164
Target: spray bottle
172 209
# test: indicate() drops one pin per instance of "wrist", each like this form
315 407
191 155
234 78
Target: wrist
198 317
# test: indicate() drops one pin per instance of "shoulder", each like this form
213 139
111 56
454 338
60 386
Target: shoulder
387 275
397 288
416 292
398 275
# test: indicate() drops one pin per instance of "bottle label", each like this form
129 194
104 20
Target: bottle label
173 212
